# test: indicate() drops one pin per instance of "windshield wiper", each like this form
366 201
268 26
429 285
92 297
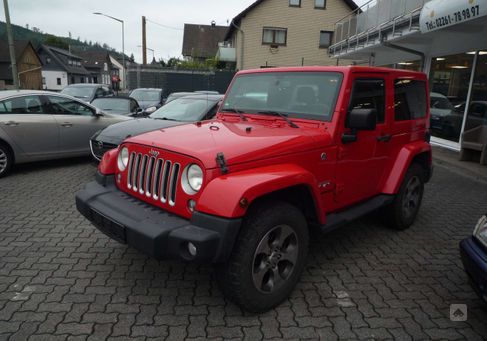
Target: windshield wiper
280 114
239 112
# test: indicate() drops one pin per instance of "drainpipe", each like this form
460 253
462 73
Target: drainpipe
242 49
408 50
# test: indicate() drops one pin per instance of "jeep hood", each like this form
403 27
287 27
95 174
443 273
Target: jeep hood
239 142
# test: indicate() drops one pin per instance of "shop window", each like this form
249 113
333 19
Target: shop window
369 94
449 83
477 110
409 99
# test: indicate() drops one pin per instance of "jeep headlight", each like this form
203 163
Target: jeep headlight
192 179
480 231
123 159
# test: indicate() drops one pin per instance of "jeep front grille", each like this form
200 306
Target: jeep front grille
155 177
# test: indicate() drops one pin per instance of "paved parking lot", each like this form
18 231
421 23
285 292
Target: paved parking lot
61 279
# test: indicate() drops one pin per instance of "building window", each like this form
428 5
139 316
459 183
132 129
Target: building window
320 4
274 36
82 79
58 81
44 80
48 60
295 3
72 80
325 39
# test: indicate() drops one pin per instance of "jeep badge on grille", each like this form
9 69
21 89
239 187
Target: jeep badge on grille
154 153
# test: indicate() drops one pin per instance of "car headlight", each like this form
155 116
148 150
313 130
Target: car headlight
192 179
123 159
150 110
480 231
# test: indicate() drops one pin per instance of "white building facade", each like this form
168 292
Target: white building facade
446 39
54 80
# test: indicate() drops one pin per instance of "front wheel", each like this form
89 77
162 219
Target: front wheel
6 160
404 209
268 257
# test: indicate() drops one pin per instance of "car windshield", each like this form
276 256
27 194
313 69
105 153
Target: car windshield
309 95
109 104
184 109
79 92
146 95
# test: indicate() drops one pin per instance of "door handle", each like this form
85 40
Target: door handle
11 123
384 138
67 125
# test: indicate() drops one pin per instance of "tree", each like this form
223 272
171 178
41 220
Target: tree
132 58
56 42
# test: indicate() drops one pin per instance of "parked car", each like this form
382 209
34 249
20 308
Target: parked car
473 251
243 190
119 106
195 107
87 92
149 99
42 125
444 120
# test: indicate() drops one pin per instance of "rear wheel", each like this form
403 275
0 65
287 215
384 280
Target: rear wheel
268 257
404 209
6 159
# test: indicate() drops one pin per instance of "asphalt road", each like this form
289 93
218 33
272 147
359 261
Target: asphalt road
61 279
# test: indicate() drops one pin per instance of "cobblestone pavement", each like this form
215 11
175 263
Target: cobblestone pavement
61 279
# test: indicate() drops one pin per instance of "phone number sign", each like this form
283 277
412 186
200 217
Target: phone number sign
438 14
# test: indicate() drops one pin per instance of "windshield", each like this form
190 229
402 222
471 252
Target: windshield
184 109
109 104
78 92
309 95
146 95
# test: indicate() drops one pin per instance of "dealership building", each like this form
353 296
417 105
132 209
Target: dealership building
446 39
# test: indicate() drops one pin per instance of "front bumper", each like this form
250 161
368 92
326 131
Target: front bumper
474 259
152 230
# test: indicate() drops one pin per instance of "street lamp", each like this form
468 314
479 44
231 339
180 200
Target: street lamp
123 46
148 48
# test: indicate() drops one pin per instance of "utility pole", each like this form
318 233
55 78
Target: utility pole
11 47
144 42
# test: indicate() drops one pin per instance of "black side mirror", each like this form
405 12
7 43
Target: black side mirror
359 119
362 119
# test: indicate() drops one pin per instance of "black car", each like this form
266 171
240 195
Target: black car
192 108
118 105
87 92
149 99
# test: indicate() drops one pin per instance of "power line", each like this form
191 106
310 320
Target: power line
164 26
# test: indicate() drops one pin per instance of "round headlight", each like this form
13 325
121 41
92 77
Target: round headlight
123 159
192 179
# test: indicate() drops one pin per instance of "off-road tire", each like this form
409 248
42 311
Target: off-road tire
236 277
6 159
410 194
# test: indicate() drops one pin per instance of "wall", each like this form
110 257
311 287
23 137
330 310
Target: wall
31 79
178 80
51 80
303 33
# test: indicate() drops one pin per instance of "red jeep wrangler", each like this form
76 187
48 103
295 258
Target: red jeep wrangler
290 149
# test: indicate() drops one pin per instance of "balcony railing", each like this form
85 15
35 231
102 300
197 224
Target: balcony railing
372 18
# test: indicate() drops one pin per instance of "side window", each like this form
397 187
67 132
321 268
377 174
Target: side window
22 105
409 99
212 111
66 106
99 93
369 94
133 106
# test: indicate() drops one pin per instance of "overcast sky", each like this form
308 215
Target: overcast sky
60 17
